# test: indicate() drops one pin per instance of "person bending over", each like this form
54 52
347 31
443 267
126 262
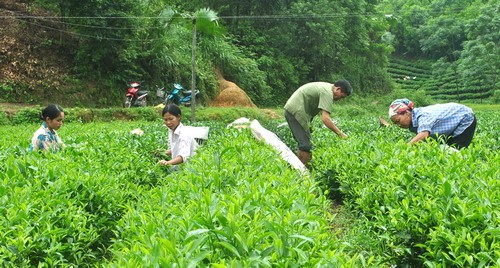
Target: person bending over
453 123
308 101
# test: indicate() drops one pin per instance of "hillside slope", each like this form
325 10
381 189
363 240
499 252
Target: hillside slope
33 68
443 86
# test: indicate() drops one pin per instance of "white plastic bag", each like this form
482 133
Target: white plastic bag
269 137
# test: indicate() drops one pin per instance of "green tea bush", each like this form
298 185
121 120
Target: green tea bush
82 115
151 114
423 205
4 119
27 115
103 200
226 115
419 97
230 207
147 114
62 209
45 225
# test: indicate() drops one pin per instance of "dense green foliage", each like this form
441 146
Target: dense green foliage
270 48
419 75
84 115
61 209
423 205
103 201
459 40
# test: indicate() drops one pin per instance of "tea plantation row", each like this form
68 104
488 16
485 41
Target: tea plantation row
418 205
104 202
443 85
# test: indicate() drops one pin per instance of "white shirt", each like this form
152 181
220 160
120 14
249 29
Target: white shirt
181 143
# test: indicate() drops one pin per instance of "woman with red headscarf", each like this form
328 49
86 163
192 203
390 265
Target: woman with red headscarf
454 123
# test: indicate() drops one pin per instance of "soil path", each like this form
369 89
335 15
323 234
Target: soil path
8 107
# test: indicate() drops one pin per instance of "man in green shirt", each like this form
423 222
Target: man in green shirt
307 102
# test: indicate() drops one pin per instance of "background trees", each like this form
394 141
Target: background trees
272 47
459 38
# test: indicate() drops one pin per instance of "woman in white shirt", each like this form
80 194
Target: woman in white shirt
181 144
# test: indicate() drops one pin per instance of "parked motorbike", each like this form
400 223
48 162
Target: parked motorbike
178 95
135 97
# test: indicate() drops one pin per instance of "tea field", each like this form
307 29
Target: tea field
370 200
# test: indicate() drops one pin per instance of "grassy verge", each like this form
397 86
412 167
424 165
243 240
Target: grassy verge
351 107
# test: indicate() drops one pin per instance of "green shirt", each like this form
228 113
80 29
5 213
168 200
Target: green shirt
307 101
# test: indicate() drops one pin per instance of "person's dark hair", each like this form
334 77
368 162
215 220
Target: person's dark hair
51 111
344 85
171 109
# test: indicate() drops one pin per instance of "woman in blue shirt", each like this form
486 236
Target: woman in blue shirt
455 123
46 138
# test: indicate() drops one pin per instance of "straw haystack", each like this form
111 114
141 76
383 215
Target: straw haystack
231 95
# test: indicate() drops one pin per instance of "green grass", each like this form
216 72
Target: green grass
352 106
483 107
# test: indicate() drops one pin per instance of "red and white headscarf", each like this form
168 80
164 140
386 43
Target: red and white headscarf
400 106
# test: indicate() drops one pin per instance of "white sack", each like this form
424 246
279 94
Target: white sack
197 132
448 149
269 137
241 122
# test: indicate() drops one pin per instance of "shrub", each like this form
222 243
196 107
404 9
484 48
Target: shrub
4 119
423 205
27 115
81 115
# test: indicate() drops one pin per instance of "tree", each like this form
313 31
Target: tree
102 30
202 21
480 59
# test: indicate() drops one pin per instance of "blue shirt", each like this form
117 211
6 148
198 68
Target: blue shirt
44 139
449 119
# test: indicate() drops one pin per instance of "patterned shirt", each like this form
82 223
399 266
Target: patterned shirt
181 143
307 101
449 119
44 139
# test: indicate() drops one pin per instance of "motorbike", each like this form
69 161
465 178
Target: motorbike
135 97
178 95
